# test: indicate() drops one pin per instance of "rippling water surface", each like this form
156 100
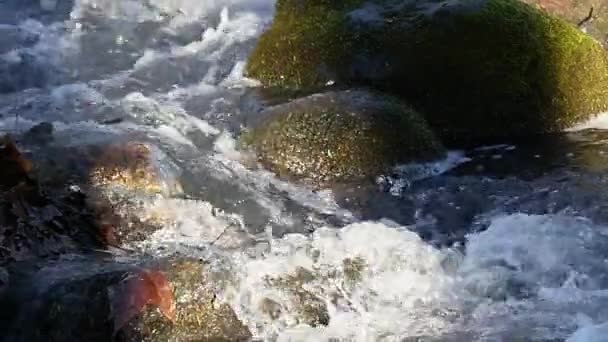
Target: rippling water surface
501 243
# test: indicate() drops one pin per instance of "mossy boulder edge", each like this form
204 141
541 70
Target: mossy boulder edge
341 136
479 69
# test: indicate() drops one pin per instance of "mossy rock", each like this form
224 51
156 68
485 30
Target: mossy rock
341 136
479 69
84 300
305 46
199 316
501 70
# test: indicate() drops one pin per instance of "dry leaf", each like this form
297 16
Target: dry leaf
14 168
133 294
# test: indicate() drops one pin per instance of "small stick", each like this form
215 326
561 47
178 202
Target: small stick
587 19
219 237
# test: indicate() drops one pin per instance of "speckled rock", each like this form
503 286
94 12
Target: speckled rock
123 166
135 167
199 315
341 136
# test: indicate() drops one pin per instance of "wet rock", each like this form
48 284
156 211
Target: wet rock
353 269
89 300
34 224
308 308
199 315
126 166
271 308
42 133
484 69
341 136
96 176
135 166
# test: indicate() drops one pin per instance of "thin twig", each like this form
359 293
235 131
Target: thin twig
587 19
219 237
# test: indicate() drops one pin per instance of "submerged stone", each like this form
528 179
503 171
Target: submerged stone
304 305
341 136
126 166
135 166
41 133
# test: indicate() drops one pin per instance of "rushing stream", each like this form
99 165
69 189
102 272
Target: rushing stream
500 243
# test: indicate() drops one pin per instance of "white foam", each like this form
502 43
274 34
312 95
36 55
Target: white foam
408 288
75 92
401 283
591 333
226 145
405 174
179 10
170 119
191 223
234 28
173 134
600 122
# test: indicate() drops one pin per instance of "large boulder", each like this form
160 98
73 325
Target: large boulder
341 136
476 68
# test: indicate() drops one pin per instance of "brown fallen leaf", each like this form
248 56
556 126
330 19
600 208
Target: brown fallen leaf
133 294
11 151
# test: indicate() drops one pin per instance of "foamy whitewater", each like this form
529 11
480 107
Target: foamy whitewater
441 257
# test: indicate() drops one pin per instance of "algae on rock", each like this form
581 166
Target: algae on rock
306 45
501 70
341 136
478 69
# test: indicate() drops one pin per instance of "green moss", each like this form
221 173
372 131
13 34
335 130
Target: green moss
505 69
478 68
300 49
341 136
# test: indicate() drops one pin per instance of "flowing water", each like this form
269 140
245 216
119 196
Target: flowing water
500 243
